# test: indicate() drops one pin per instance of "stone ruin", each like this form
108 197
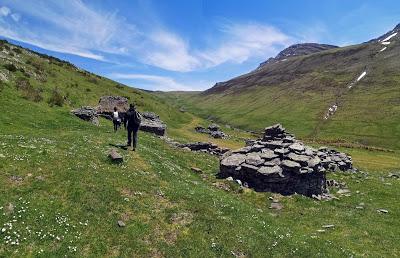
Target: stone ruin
107 103
151 123
87 113
213 130
280 163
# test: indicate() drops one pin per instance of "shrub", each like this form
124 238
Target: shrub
88 90
10 67
17 50
56 98
28 91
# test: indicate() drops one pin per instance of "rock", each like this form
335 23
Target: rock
343 191
271 170
328 226
213 127
107 103
115 156
297 147
151 123
88 114
218 134
302 159
383 211
290 164
186 149
205 147
229 178
268 154
276 206
121 224
196 170
254 159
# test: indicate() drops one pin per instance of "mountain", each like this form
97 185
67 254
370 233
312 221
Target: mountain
347 94
297 50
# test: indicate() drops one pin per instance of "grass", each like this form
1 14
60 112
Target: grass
67 196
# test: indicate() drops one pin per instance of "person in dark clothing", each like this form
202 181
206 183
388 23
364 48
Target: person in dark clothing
133 119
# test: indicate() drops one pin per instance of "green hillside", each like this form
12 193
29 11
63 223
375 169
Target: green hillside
298 92
61 196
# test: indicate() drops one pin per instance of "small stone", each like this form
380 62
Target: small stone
321 230
290 164
328 226
383 211
343 191
270 170
276 206
196 170
186 149
359 207
297 147
121 224
229 178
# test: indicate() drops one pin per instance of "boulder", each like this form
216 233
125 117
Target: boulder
206 147
87 113
151 123
279 163
107 103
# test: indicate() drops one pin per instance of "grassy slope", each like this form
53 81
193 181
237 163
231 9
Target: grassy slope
68 189
298 92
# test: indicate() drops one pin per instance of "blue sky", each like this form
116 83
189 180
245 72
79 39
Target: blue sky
186 44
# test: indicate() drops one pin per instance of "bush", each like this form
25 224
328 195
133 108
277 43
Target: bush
17 50
56 98
10 67
28 91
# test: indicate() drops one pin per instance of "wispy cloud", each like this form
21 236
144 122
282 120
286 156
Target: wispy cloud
243 41
163 83
75 28
4 11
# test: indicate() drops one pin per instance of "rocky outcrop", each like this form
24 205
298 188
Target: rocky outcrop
87 113
151 123
107 104
206 147
213 130
280 163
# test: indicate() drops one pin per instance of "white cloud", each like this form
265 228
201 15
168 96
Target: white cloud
163 83
169 52
4 11
74 27
16 17
244 41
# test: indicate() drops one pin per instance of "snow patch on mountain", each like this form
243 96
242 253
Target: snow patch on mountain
389 37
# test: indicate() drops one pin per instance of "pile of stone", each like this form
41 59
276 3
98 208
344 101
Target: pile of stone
151 123
213 130
206 147
87 113
280 163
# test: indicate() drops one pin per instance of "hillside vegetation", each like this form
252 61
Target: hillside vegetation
61 196
299 90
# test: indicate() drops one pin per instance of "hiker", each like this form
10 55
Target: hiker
133 119
116 119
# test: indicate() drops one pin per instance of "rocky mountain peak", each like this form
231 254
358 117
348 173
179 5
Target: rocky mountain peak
298 50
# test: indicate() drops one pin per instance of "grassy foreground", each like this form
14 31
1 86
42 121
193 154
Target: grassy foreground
67 198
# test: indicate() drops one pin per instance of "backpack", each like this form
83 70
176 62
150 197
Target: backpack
137 118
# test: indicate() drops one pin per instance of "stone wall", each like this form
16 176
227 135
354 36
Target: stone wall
280 163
